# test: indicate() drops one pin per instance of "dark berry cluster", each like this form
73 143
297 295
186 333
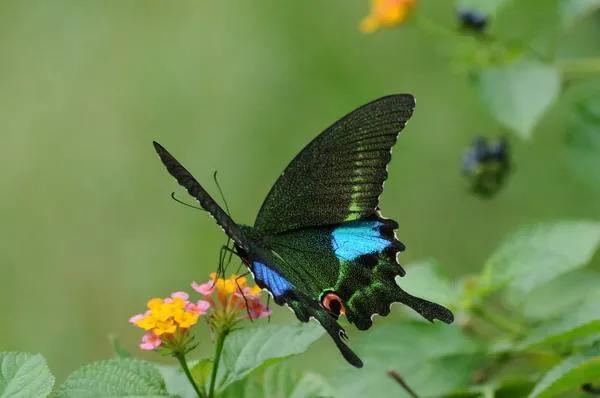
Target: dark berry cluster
486 165
472 19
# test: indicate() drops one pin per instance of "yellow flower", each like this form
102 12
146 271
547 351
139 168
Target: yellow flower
146 322
186 319
165 327
160 312
254 290
386 13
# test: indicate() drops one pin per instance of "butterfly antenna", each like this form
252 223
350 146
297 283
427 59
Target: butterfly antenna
221 193
185 204
226 209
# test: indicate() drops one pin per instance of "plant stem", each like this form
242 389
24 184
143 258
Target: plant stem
181 358
499 321
400 380
216 360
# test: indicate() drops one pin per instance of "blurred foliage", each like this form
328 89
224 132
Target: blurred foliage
88 227
498 345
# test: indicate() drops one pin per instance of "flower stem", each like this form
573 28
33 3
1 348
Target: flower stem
216 360
181 358
499 321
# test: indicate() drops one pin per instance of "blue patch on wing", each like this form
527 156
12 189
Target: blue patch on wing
276 283
354 239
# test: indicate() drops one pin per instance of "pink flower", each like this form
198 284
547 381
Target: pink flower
256 308
135 318
200 307
205 289
182 295
150 341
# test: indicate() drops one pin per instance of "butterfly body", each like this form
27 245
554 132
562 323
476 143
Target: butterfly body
319 243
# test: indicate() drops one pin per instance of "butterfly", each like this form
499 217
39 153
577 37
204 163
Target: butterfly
319 243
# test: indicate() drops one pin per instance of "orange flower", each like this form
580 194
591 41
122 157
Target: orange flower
235 297
386 13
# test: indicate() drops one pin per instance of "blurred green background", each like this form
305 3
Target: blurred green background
89 231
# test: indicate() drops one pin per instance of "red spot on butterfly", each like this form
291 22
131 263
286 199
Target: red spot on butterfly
333 303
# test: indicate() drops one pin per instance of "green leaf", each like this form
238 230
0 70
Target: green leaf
433 359
519 93
535 305
583 142
537 254
118 348
176 382
24 375
582 320
279 381
115 378
425 279
248 349
202 370
573 10
569 375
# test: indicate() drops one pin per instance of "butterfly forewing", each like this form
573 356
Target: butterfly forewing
338 176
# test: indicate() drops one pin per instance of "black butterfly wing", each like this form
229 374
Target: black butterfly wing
186 180
339 175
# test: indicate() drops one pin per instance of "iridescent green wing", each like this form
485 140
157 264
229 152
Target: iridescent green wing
357 262
339 175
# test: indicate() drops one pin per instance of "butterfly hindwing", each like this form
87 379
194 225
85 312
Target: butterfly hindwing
355 260
339 175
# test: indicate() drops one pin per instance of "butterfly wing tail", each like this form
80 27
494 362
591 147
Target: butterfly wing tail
426 309
304 308
186 180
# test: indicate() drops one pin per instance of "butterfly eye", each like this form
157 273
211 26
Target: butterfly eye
333 303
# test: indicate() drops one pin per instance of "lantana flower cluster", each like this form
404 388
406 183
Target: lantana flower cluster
233 295
386 14
168 320
225 302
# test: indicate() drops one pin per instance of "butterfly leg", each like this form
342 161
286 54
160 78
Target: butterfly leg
269 308
426 309
244 295
225 261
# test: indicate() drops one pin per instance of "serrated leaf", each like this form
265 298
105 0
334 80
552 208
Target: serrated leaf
583 141
573 10
582 320
518 94
432 359
569 375
537 254
114 378
24 375
248 349
279 381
